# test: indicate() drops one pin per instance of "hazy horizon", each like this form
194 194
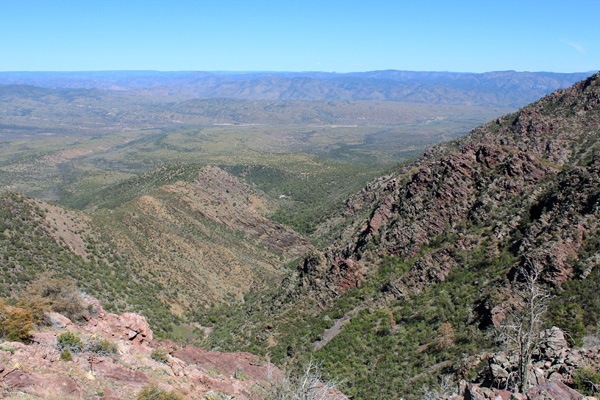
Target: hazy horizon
216 72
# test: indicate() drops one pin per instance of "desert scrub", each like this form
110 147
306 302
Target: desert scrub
16 324
212 395
154 392
66 355
100 345
69 341
159 355
587 381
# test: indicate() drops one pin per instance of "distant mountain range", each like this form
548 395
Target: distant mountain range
491 89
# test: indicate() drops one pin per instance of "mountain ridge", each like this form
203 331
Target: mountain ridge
497 89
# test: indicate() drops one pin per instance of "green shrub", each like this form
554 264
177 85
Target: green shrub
8 348
98 344
69 341
159 355
587 381
153 392
212 395
570 318
66 355
60 295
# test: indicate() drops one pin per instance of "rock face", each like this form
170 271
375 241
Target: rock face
554 390
37 368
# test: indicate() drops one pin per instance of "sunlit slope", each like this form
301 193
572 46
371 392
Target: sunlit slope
190 238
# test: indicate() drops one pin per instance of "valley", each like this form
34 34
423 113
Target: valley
380 235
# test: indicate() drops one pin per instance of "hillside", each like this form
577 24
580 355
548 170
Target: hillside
174 241
435 251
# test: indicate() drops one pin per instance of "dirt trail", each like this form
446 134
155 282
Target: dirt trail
332 332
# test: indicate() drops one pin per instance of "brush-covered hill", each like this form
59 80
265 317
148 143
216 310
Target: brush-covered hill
411 287
167 243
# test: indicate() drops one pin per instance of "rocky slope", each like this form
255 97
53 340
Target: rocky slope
436 249
555 368
208 237
38 370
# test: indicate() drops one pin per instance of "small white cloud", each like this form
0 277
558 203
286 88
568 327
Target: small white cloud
576 46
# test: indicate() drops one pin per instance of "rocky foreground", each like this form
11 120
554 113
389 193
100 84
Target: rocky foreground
137 362
553 370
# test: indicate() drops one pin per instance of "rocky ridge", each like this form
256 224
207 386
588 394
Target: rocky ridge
533 174
522 192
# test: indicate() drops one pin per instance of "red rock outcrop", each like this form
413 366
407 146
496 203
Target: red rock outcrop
37 368
128 326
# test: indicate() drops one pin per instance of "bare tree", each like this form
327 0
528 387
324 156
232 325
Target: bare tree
307 386
444 389
522 329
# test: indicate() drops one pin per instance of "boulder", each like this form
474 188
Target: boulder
538 376
555 342
502 395
59 321
498 372
129 326
553 391
556 376
474 392
501 359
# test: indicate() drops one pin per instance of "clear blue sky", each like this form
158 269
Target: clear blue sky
300 35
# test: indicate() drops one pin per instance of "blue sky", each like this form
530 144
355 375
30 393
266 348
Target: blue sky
301 35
